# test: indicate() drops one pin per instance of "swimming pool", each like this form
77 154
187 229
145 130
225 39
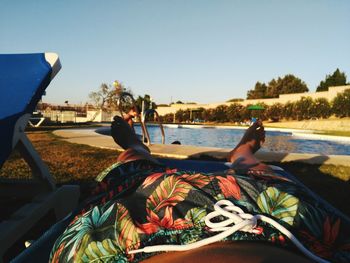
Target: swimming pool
211 136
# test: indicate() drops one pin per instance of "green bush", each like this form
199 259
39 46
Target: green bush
208 115
234 112
275 112
341 104
303 108
288 111
220 113
179 116
169 117
320 108
245 113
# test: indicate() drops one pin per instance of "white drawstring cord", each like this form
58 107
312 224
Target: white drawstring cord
241 222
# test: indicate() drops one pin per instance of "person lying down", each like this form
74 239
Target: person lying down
144 211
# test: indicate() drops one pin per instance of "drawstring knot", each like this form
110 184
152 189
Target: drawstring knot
234 216
235 220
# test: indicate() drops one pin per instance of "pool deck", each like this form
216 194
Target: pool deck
90 137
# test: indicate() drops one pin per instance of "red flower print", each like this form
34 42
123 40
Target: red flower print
258 230
326 246
277 238
153 177
197 180
167 222
229 187
171 191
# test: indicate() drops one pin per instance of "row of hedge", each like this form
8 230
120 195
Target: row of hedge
303 109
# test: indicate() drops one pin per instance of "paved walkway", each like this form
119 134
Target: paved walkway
89 137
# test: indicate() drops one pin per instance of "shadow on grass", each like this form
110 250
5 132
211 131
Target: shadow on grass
326 185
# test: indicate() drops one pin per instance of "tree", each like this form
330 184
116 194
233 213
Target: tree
291 84
275 112
336 79
179 116
208 115
286 85
288 111
235 100
258 92
303 108
245 113
103 98
106 97
182 115
341 104
234 112
167 118
321 108
273 89
147 102
187 115
220 113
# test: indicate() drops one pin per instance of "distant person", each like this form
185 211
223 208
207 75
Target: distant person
132 113
129 118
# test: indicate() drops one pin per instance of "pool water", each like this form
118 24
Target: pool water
276 141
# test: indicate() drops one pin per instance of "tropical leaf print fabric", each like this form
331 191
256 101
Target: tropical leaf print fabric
278 204
140 204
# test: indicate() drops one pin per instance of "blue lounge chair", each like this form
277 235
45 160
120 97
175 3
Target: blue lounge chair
23 80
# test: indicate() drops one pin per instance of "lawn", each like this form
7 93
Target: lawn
73 162
325 180
66 161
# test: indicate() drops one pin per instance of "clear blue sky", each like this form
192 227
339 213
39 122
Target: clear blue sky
189 50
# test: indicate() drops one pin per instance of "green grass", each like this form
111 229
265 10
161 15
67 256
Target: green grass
334 133
54 126
330 182
66 161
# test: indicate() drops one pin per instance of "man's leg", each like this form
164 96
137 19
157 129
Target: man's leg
126 138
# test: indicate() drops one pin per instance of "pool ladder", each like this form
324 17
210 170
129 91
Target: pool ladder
145 133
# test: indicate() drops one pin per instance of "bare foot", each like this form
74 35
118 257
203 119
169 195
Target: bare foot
254 137
242 156
124 135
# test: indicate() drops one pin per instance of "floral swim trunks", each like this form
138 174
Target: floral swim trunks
139 204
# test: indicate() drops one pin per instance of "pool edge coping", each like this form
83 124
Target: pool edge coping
90 137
